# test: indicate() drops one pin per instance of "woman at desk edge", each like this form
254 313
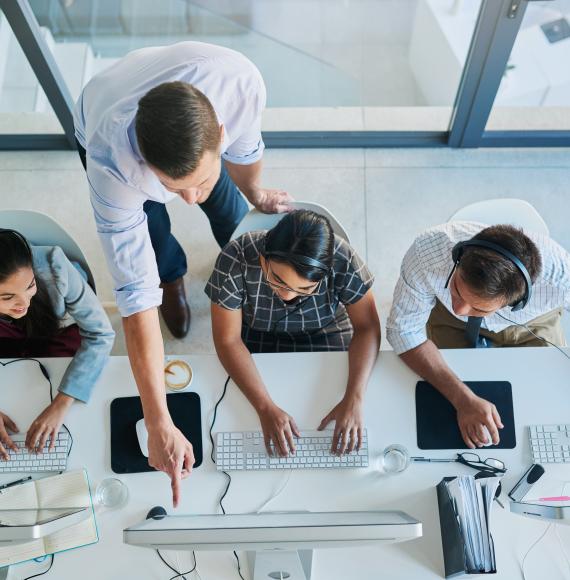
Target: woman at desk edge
48 309
296 287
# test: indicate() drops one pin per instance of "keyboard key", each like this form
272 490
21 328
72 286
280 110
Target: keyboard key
247 451
22 461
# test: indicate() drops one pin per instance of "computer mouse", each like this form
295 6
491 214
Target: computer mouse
487 437
142 436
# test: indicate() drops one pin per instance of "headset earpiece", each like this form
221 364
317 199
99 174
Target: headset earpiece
457 253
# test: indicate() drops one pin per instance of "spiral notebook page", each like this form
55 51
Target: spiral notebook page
67 490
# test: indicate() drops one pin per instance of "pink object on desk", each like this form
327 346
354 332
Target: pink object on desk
555 498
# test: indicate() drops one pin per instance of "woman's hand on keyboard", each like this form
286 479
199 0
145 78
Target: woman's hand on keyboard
347 436
278 427
6 424
48 423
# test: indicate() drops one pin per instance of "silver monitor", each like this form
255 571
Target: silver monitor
18 526
278 544
24 525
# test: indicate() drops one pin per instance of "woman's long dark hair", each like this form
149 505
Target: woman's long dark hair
15 254
305 240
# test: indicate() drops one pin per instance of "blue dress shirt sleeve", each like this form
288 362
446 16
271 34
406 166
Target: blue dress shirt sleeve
123 232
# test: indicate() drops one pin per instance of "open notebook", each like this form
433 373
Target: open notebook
68 490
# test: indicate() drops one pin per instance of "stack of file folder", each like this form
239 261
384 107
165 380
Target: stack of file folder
465 505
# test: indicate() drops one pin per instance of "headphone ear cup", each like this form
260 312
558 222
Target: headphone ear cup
518 305
456 252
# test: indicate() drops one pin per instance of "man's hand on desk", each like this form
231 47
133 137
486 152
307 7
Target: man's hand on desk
171 452
473 413
347 436
278 427
6 424
48 423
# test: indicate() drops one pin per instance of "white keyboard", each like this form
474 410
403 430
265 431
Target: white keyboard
22 461
550 443
246 450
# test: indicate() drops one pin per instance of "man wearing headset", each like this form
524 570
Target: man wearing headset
465 285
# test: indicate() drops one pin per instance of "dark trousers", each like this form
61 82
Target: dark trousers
225 208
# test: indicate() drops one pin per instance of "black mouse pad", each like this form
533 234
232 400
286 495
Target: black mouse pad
126 456
436 419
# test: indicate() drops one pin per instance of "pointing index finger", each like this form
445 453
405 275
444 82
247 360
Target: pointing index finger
175 477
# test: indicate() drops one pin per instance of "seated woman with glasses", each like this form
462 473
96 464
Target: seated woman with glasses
47 309
296 287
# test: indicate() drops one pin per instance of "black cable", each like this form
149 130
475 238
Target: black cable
238 565
52 556
181 574
533 334
166 563
214 418
224 472
45 373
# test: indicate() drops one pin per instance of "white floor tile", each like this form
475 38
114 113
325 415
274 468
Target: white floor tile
383 206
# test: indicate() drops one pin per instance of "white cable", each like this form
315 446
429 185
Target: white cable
536 542
564 553
535 335
277 493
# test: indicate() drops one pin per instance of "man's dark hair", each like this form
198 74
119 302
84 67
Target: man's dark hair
175 125
302 233
15 253
491 275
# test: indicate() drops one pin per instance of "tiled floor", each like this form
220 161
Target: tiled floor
383 198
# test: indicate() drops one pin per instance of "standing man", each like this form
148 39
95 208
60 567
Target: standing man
176 120
465 285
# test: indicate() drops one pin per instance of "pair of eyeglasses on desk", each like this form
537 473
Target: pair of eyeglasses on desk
485 467
491 465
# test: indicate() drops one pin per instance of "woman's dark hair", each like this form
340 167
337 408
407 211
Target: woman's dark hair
15 253
491 275
305 240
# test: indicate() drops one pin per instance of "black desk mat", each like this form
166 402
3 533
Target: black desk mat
436 419
126 456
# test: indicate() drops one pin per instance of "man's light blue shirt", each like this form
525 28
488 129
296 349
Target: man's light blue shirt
119 179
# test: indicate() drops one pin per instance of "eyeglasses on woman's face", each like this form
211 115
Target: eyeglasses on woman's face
275 282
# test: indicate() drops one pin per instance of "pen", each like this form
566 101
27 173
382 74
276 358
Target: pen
17 482
432 460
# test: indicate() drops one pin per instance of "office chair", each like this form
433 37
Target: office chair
515 212
42 230
256 220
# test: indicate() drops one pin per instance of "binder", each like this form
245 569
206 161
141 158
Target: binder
452 538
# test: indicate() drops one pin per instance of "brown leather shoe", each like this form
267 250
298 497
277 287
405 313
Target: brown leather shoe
174 308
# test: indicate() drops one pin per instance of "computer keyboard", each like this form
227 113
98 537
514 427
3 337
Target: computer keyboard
550 443
22 461
246 451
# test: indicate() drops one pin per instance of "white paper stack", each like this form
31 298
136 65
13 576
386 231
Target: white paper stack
472 500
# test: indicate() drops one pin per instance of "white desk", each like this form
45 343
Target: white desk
308 385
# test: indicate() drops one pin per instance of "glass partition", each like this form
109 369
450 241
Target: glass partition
329 65
535 90
24 107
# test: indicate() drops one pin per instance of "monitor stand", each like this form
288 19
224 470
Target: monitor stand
280 564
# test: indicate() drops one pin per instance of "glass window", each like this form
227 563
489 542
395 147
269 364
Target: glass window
20 91
381 65
535 91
